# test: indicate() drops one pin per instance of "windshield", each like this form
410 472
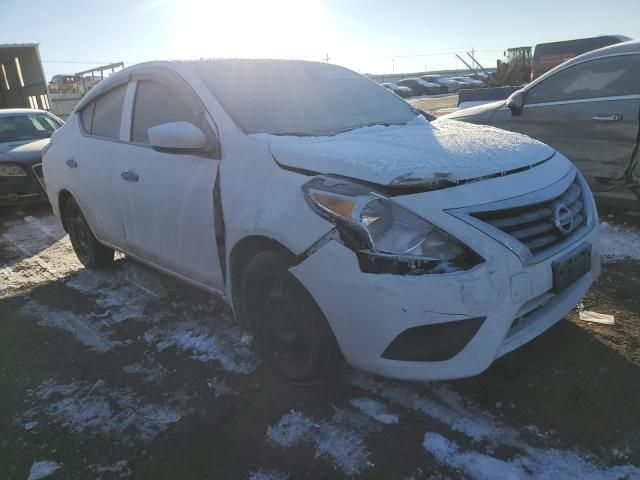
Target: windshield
27 127
299 98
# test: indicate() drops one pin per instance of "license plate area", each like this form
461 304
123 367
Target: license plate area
571 267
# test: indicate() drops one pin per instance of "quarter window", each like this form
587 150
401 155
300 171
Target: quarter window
156 104
604 77
86 116
108 112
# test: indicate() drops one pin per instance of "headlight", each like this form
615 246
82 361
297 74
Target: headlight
12 171
386 236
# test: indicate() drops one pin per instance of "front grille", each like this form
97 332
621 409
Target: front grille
536 225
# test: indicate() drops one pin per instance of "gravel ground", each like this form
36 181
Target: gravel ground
130 374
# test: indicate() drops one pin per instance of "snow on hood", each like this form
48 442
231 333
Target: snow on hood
410 154
23 151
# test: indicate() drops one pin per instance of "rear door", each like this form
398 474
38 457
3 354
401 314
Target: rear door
588 111
90 166
166 199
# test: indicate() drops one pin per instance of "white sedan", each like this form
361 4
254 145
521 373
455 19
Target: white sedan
336 219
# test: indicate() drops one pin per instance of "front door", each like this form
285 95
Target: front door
589 112
166 199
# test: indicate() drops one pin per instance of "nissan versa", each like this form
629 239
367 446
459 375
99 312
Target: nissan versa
334 218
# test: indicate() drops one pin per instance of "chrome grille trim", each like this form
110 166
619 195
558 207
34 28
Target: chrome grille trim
529 233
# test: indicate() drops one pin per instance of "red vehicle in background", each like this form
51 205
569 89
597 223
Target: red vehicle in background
549 55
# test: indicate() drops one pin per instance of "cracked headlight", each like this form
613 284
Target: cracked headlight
12 171
387 237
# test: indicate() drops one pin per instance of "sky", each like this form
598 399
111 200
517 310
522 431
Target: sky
368 36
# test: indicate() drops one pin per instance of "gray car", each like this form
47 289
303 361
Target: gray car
587 108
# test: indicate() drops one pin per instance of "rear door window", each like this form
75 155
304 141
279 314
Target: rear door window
108 112
604 77
156 104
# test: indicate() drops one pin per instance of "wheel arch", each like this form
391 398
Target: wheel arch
63 196
240 256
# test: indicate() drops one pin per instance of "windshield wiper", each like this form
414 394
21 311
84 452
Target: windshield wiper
372 124
294 134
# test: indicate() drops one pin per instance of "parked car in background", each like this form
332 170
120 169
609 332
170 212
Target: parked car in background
468 82
549 55
587 108
419 86
481 77
446 84
24 133
417 249
65 84
404 92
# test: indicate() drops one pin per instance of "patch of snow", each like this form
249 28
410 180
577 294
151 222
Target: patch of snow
535 463
376 410
88 329
119 468
112 292
220 387
270 475
291 428
619 243
42 469
441 404
225 347
99 408
345 447
30 425
151 371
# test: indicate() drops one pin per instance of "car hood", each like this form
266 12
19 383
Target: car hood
418 153
28 152
479 113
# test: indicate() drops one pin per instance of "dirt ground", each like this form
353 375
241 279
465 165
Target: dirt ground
130 374
437 105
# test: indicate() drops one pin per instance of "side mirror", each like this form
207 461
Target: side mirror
177 137
515 102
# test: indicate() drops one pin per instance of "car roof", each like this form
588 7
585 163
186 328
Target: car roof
19 111
176 65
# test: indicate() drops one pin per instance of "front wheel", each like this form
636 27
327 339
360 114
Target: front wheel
290 332
90 252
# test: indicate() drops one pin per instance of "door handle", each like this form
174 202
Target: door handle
130 176
71 163
616 117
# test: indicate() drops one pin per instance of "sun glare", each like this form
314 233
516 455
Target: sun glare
250 28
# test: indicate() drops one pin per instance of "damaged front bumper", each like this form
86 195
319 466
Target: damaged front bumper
455 324
368 312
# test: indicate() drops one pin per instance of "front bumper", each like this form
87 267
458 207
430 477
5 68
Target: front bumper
513 295
26 189
368 311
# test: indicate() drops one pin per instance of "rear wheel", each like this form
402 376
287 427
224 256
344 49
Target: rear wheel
90 252
290 332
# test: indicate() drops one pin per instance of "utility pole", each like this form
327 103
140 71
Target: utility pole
326 57
393 65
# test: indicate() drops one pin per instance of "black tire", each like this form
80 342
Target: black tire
289 330
90 252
